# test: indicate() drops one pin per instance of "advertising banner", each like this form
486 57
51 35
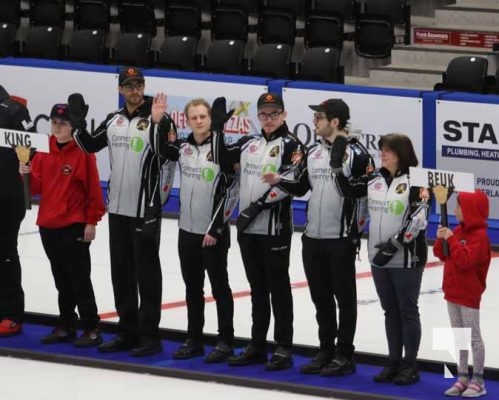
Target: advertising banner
240 97
43 87
371 114
467 141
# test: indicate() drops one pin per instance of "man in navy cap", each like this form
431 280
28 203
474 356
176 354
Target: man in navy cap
265 228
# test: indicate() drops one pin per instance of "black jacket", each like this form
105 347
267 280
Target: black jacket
13 115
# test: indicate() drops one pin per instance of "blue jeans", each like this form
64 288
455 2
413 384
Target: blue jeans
398 291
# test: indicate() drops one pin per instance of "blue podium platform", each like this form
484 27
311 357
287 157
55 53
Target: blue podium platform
356 386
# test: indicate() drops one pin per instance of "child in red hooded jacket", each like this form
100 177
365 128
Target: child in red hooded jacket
71 204
465 273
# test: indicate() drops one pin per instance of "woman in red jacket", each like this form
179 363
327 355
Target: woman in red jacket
465 273
71 204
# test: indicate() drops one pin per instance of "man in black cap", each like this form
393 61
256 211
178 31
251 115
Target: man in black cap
135 136
13 115
265 228
335 172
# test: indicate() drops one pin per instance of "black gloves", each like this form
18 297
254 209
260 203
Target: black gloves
219 115
338 153
77 110
386 251
248 215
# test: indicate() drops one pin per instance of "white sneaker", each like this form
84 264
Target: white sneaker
475 389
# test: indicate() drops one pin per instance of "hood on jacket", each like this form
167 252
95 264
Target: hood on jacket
475 209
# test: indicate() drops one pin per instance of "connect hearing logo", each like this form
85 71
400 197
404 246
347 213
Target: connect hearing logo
269 168
454 340
137 144
207 174
396 207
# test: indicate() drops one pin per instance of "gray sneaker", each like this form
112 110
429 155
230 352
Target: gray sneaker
475 389
457 388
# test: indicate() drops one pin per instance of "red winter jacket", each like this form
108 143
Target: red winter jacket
466 267
68 182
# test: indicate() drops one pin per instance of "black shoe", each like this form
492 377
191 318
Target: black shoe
340 365
281 359
89 338
59 335
116 344
220 353
250 355
407 376
320 360
189 349
387 374
147 348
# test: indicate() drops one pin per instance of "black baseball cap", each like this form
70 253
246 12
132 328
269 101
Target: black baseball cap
60 111
333 108
270 100
129 74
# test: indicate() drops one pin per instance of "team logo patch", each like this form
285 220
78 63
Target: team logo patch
269 168
137 144
297 157
378 186
274 152
143 124
120 121
209 156
253 148
318 154
396 207
401 188
207 174
187 151
66 170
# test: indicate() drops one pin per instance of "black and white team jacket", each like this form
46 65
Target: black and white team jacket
337 204
140 172
398 212
281 152
208 194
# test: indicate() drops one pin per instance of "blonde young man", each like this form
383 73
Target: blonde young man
208 194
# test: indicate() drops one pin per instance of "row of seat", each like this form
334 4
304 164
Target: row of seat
229 19
176 52
469 74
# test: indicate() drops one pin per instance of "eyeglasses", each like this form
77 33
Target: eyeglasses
133 86
272 116
319 116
